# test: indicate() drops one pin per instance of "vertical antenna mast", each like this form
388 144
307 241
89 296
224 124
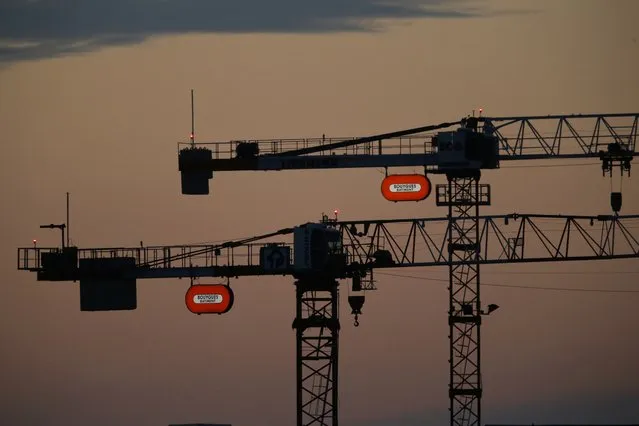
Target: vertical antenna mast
68 226
192 119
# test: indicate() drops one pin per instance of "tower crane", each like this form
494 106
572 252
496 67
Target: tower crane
318 254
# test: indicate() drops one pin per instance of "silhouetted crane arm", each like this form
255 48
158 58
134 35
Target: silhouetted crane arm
359 141
520 138
512 238
190 252
556 136
395 243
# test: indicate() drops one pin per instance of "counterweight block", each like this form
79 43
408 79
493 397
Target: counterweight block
106 286
195 170
61 265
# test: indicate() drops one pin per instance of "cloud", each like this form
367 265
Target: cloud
31 29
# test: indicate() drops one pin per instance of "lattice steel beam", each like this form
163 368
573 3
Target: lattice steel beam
317 336
463 195
512 238
524 137
554 135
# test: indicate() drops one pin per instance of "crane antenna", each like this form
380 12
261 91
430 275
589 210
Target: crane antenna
192 118
68 226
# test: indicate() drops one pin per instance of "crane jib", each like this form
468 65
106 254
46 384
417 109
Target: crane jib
360 161
325 162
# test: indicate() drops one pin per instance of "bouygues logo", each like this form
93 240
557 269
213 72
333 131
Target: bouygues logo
209 299
406 187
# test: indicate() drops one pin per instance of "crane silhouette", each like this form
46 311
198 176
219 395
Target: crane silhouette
319 254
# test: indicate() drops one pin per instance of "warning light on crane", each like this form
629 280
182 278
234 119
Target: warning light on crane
209 298
406 187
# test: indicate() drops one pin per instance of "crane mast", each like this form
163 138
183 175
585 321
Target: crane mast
319 254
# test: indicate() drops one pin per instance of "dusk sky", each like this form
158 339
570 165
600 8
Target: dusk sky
93 100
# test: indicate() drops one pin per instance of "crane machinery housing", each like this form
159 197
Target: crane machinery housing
321 253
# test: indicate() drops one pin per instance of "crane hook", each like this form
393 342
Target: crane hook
356 302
